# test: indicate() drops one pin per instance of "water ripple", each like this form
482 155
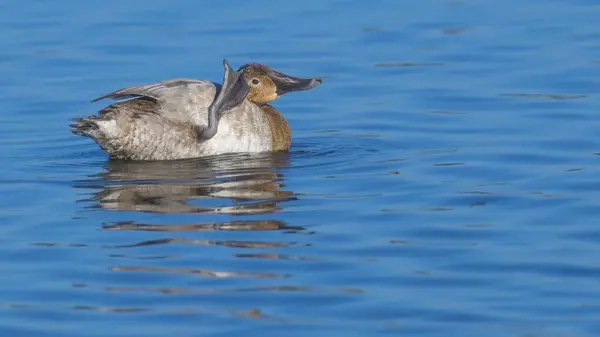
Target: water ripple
441 182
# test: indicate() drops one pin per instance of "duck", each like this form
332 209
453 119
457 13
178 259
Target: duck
188 118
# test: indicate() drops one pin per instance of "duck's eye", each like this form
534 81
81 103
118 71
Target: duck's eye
255 81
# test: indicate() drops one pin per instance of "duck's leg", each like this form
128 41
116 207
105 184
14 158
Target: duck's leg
233 92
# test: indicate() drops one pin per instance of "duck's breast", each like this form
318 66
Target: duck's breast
281 134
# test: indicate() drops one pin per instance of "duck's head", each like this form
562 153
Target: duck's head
267 84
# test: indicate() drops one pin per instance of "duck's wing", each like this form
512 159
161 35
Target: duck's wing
185 98
164 117
159 90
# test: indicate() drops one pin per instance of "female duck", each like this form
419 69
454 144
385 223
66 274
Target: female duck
185 118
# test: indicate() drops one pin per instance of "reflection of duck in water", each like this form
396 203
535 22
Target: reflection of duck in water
185 118
248 183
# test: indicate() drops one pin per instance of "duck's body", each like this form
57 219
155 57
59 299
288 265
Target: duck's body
172 119
143 128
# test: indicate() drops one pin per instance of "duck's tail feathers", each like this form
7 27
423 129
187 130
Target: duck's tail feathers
87 127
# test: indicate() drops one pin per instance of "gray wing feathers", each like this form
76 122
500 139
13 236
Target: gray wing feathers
154 90
181 102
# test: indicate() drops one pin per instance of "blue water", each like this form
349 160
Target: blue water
444 180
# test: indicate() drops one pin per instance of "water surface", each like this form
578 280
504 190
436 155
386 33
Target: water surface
443 181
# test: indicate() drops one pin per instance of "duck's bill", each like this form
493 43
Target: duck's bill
286 83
